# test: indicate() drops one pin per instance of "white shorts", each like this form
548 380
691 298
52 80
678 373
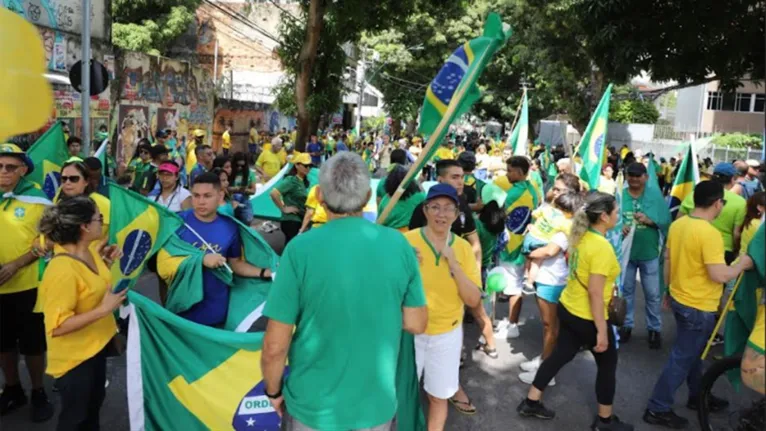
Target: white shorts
514 278
437 358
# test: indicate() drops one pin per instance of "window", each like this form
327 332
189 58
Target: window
714 100
742 102
728 101
369 100
760 103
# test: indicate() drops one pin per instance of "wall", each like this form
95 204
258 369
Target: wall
65 15
239 115
731 121
619 133
157 93
690 101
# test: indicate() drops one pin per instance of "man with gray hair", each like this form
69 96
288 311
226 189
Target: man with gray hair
337 308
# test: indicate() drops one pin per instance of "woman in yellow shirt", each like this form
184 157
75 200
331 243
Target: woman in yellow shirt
78 305
75 182
582 312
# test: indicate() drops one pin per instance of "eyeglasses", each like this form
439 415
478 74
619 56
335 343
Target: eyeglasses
70 178
8 167
437 209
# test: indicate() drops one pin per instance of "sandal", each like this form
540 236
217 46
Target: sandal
466 408
492 353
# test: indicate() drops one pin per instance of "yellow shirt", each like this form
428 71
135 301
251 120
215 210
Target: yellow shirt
592 255
548 222
444 153
282 154
748 233
445 308
269 162
226 140
694 243
320 216
253 136
502 182
758 336
19 221
70 287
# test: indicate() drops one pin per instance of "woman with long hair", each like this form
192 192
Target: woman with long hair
290 196
223 163
75 181
227 206
78 306
171 193
242 187
582 312
756 208
401 213
140 162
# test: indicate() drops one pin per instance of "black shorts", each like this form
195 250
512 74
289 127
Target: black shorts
20 328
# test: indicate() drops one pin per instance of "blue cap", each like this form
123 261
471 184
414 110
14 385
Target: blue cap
725 169
443 190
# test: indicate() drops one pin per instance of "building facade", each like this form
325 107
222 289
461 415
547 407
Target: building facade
707 109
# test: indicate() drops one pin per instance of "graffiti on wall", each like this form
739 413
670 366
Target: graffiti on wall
161 94
63 15
240 120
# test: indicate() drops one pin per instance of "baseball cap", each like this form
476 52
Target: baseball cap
15 151
168 167
725 169
753 163
161 134
636 169
443 190
302 159
199 133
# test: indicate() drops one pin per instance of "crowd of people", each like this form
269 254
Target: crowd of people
338 317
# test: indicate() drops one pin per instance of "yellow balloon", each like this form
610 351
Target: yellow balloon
26 99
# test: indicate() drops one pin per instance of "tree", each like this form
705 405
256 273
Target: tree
150 26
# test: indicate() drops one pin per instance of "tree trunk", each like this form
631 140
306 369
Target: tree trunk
306 60
411 126
396 127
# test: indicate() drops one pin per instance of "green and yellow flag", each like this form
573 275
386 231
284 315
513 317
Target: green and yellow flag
48 154
520 134
139 227
686 178
593 141
520 201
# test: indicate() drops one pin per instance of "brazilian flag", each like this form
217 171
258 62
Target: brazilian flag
139 227
683 185
740 321
458 77
520 201
520 133
593 141
48 154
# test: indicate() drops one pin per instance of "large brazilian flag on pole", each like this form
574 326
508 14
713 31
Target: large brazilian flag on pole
48 154
520 133
686 178
593 141
452 93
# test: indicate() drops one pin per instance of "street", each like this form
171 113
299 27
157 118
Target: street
493 385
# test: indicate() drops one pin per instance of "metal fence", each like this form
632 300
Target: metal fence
668 149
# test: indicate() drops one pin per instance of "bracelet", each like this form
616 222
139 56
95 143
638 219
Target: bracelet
273 396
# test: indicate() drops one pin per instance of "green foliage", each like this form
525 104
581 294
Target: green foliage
738 140
150 26
633 111
374 123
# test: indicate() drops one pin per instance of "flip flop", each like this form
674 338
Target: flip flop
468 410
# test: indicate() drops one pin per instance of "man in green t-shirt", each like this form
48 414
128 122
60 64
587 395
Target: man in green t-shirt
650 219
337 308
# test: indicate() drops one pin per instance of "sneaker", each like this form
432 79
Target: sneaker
42 409
536 410
625 334
717 340
532 365
714 404
501 332
491 352
528 289
615 424
667 419
513 331
655 340
11 399
529 377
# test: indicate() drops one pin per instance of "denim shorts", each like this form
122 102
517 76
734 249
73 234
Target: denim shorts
549 293
530 244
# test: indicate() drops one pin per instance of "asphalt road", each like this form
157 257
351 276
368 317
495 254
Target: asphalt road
492 384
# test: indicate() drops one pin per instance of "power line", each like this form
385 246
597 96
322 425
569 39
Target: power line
244 20
417 84
295 18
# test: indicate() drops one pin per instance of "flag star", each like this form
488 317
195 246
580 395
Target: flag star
250 422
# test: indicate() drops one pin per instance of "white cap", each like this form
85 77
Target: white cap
753 163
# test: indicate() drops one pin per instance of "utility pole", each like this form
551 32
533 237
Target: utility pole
85 84
360 78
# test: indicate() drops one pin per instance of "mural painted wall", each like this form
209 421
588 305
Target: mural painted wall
63 15
262 117
157 93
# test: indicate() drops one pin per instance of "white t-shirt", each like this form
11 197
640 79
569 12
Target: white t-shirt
554 270
173 202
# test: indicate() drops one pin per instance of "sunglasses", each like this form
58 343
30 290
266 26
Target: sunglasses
8 167
70 178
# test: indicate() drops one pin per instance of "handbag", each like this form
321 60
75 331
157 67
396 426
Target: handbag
617 308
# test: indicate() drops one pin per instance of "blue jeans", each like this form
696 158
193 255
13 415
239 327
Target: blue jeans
650 281
693 328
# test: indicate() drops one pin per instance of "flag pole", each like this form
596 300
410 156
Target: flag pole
207 245
431 142
721 319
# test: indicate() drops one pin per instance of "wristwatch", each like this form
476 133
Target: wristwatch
273 396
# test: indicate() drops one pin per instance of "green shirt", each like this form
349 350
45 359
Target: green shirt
646 241
380 190
732 215
238 180
294 194
488 243
344 352
138 166
401 213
